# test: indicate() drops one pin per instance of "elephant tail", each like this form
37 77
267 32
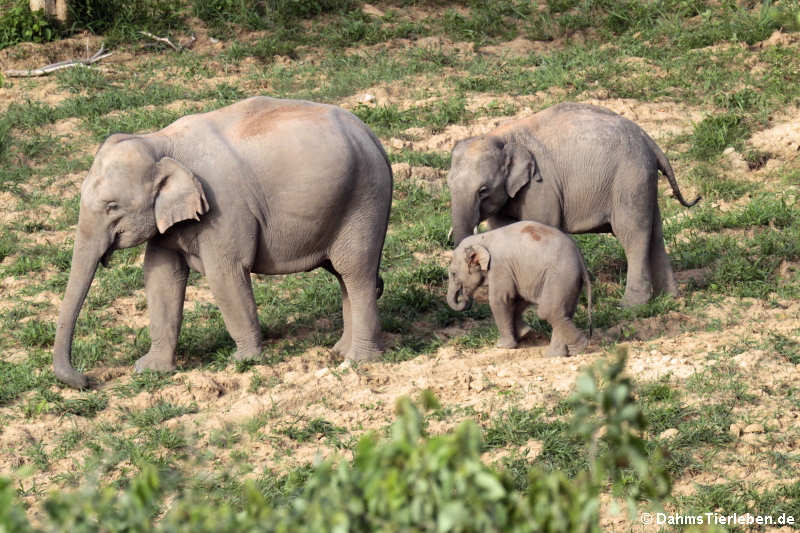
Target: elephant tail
379 287
666 169
587 283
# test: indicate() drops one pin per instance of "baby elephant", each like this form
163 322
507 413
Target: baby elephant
524 263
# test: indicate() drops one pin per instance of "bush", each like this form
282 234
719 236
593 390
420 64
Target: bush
223 15
121 19
409 482
19 24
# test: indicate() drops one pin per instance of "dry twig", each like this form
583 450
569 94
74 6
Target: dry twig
54 67
176 47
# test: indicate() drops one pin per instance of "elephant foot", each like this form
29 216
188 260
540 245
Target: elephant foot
556 350
155 361
671 290
341 347
365 353
579 346
506 343
247 355
634 298
72 377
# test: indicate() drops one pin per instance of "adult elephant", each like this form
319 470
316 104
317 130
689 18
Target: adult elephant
264 185
578 167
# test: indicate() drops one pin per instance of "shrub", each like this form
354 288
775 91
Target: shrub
122 19
222 15
19 24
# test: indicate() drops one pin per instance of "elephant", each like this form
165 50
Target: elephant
523 263
577 167
266 186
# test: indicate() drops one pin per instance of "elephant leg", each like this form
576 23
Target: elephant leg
634 230
520 326
364 328
503 307
165 275
557 305
567 339
233 291
660 266
343 345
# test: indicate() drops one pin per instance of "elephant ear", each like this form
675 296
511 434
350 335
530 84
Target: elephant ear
478 256
179 195
520 166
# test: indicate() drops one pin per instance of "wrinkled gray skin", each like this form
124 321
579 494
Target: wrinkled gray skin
524 263
266 186
579 168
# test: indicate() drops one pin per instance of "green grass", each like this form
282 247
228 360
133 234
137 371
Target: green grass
561 450
317 428
161 411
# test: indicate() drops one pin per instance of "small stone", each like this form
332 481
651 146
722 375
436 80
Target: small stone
322 372
397 144
753 428
369 9
735 430
401 171
345 365
368 98
751 438
667 434
477 382
535 448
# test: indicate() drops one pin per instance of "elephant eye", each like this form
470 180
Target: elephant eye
483 190
111 206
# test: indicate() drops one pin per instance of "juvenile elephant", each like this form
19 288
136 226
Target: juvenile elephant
264 185
524 263
579 168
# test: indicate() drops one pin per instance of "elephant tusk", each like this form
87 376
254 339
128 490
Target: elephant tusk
450 235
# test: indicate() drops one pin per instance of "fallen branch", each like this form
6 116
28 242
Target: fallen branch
53 67
164 40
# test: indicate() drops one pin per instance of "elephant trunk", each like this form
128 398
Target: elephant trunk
465 218
85 257
456 299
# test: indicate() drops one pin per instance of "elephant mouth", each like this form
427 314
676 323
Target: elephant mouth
106 257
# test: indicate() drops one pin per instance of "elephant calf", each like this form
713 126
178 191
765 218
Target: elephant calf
524 263
262 186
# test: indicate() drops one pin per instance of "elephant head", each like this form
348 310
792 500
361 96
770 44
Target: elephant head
468 269
130 194
485 173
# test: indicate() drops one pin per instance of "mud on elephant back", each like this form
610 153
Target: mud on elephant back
576 167
266 186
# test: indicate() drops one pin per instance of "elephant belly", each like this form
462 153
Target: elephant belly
298 250
583 220
288 265
588 228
